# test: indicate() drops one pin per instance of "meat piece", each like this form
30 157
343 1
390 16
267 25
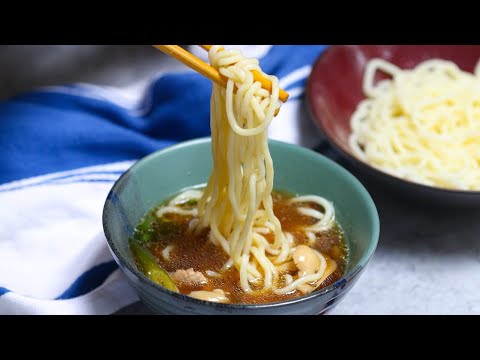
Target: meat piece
306 260
305 289
217 295
189 276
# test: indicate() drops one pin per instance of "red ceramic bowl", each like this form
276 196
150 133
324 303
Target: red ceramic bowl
335 88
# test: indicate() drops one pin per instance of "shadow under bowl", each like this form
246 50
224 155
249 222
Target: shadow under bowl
334 90
164 173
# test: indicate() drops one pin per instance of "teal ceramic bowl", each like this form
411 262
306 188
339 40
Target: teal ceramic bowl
298 170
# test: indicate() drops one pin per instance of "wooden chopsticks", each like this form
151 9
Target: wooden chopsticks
193 62
209 71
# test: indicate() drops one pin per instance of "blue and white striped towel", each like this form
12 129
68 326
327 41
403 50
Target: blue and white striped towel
62 150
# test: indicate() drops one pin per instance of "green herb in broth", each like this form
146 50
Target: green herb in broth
151 228
190 204
148 265
164 226
144 232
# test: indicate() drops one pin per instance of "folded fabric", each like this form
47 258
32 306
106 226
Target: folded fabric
62 149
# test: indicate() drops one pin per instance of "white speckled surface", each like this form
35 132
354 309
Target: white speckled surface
427 261
428 257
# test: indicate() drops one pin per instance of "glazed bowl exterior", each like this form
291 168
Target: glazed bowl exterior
298 170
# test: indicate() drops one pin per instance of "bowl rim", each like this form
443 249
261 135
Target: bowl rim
317 120
365 258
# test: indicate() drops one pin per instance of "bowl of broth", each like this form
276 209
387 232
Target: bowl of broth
154 250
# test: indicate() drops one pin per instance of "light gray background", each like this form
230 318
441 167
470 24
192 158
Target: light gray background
428 258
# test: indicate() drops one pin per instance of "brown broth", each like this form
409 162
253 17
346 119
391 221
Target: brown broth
195 251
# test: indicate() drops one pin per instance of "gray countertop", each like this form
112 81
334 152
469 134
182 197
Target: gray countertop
427 260
428 256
